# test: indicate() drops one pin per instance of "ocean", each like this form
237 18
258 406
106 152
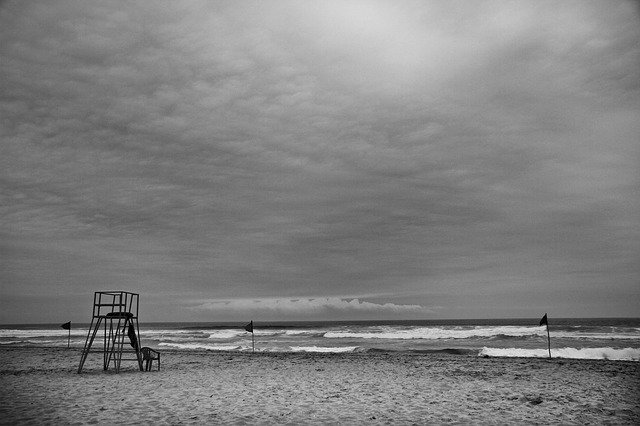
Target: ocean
586 338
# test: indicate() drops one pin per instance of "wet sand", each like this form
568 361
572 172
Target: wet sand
41 385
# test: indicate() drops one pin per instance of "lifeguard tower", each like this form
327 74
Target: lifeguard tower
118 311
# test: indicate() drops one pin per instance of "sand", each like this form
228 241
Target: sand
40 386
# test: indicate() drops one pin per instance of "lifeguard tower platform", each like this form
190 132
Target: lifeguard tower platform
117 313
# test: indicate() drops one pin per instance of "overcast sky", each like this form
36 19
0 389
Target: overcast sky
280 160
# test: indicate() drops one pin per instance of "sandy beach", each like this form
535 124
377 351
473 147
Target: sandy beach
41 385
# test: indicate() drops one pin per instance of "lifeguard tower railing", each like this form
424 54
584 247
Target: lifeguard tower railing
118 311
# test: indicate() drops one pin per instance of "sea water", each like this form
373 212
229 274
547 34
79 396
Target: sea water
589 338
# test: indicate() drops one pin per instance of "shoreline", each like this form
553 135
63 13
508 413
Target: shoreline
41 385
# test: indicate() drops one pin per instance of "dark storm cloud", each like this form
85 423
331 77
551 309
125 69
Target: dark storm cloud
378 158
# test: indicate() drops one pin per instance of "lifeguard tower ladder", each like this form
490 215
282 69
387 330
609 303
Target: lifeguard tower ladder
118 311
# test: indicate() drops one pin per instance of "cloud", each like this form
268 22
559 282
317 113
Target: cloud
316 148
323 307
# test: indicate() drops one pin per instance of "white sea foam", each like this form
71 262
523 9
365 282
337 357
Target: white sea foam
443 332
581 334
208 347
304 332
39 342
25 334
323 349
258 332
624 354
433 333
175 331
226 334
348 336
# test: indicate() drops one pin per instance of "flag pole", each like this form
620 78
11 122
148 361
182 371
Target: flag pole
67 326
548 340
545 321
249 327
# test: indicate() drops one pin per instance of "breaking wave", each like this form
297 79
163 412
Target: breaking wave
486 332
624 354
435 333
201 346
324 349
620 338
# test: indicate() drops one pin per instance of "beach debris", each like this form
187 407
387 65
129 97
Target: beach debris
533 399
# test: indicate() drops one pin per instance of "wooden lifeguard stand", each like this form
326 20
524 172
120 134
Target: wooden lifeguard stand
118 311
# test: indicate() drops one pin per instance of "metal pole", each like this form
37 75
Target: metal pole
69 338
549 340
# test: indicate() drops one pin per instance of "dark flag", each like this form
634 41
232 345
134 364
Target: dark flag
543 321
249 328
132 336
67 326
